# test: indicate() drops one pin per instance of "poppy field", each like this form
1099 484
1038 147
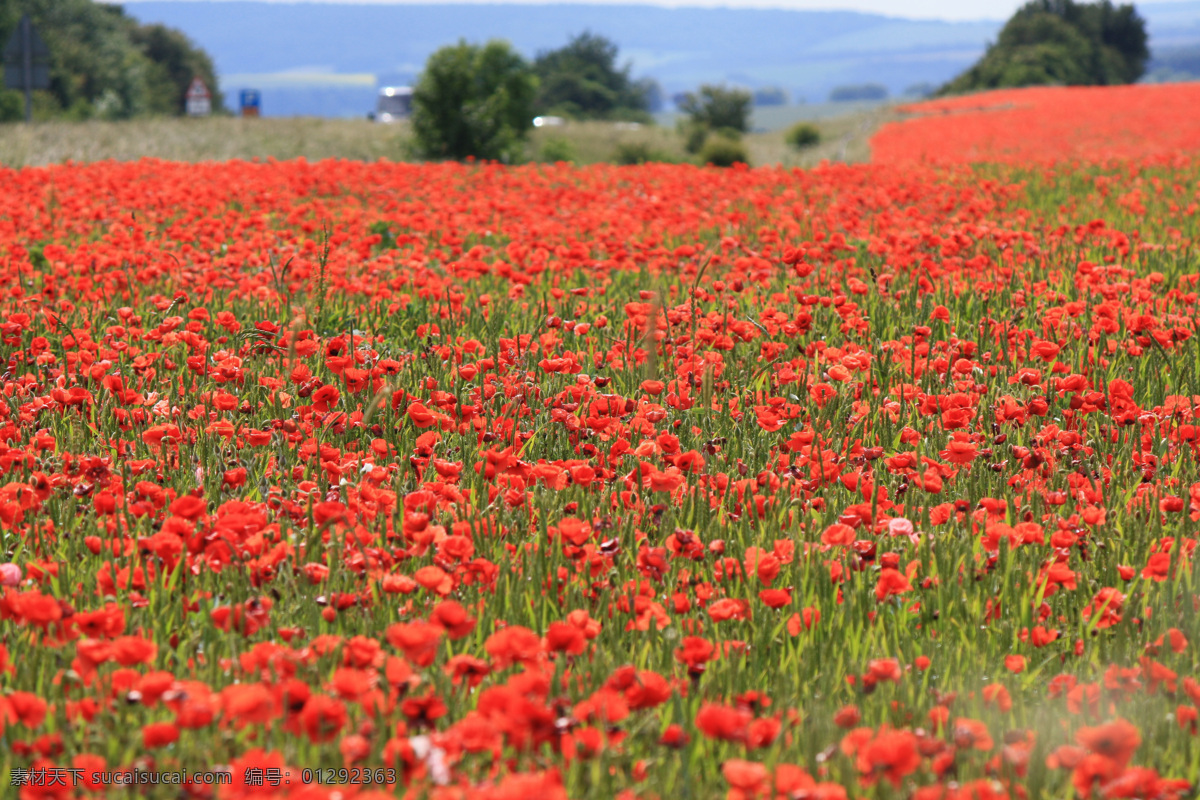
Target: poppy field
1047 124
347 481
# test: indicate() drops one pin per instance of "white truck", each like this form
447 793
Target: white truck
393 104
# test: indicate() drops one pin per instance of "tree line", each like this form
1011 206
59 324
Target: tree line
479 100
105 64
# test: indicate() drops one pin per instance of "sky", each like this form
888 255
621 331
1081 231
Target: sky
912 9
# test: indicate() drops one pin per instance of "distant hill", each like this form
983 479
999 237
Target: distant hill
1172 24
1174 41
326 59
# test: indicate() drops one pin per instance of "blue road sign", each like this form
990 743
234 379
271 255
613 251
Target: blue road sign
251 101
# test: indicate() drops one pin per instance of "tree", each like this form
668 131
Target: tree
716 107
177 62
473 100
581 80
103 63
1061 42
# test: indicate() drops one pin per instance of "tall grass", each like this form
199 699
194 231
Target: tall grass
224 138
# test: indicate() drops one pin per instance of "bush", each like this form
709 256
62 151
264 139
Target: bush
802 135
721 151
12 106
628 153
473 101
694 135
558 148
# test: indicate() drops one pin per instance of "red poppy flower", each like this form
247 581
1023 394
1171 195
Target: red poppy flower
891 754
513 645
420 415
322 718
1116 741
722 722
159 734
418 640
453 618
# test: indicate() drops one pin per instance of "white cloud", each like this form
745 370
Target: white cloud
302 76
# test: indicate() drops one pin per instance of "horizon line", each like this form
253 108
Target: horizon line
739 5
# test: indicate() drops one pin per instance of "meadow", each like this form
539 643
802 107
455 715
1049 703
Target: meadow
844 139
335 479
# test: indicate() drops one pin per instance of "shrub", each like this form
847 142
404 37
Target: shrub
694 135
628 153
473 101
802 135
721 151
12 106
558 148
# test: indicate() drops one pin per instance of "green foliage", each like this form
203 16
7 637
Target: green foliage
802 135
716 107
629 153
582 81
12 106
104 64
176 61
723 151
558 148
694 135
473 101
1061 42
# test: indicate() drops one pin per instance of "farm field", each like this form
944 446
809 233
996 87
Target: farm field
844 139
1047 124
346 480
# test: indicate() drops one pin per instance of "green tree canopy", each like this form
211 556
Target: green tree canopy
104 63
716 107
581 80
1062 42
473 100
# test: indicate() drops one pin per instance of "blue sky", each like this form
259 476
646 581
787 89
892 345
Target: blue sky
913 9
